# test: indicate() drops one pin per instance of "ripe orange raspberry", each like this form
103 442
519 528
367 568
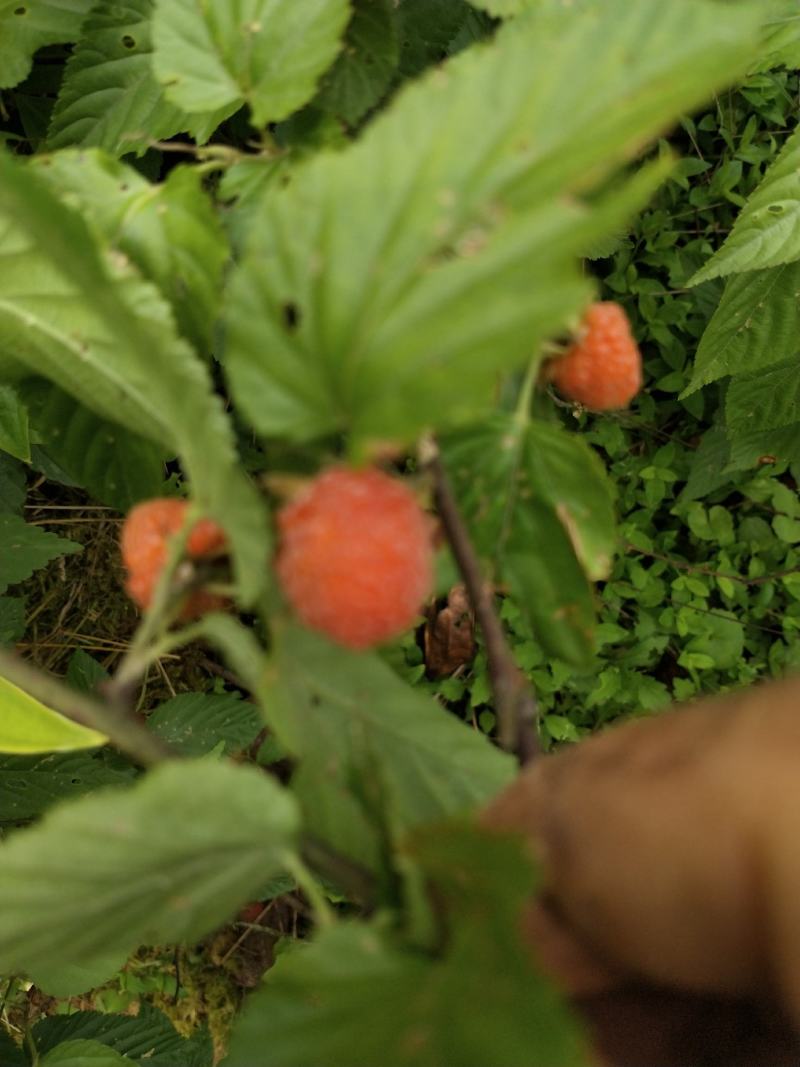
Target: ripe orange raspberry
356 557
144 543
603 368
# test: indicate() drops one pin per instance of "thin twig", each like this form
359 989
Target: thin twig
515 702
125 732
695 568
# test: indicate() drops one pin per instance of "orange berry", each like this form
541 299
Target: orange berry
603 368
355 559
144 543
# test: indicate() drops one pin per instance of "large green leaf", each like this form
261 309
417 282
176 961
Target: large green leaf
26 27
767 231
539 504
170 231
148 1036
213 54
766 401
367 64
12 619
781 37
195 723
356 725
91 325
479 1002
384 289
27 726
14 434
25 548
109 96
12 485
29 785
83 1054
756 324
118 467
426 29
166 860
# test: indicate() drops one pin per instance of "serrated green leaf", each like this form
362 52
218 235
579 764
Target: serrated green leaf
27 726
766 233
756 325
83 1054
353 722
26 27
29 785
765 401
170 231
479 1002
537 501
195 723
426 29
110 96
14 435
148 1036
752 448
119 468
214 54
367 63
93 327
384 289
24 549
781 36
164 861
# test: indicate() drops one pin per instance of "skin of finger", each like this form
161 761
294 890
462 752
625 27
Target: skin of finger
656 842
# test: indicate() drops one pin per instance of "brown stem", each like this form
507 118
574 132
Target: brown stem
695 568
515 701
123 731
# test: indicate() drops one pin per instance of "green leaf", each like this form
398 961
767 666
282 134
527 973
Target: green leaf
170 231
211 54
12 485
751 448
756 325
787 529
164 861
12 619
26 27
26 726
83 1054
25 549
504 8
355 724
426 29
195 723
14 437
29 785
73 979
766 232
84 672
385 289
110 96
11 1055
367 63
118 467
765 401
480 1002
91 325
781 37
538 504
146 1036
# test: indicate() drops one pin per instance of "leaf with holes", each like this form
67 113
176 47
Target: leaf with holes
195 723
756 324
27 726
166 860
25 549
29 785
270 54
85 319
383 290
27 25
110 96
767 231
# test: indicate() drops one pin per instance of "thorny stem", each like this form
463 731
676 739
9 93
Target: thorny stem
129 735
515 702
